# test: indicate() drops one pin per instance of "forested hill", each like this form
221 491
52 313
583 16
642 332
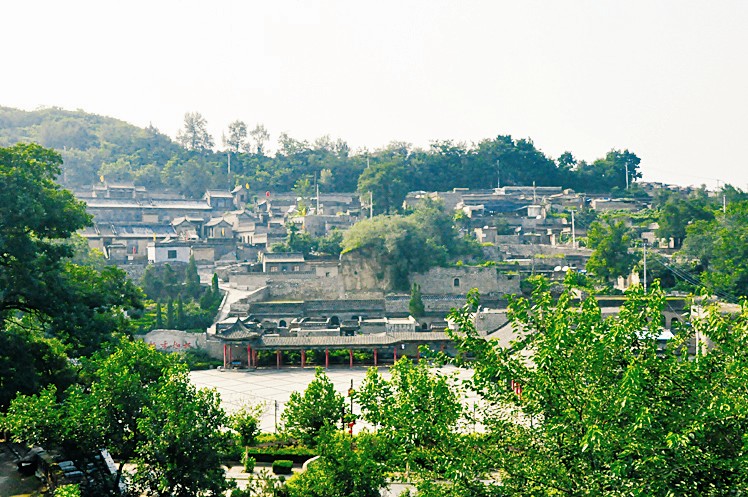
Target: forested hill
93 146
86 141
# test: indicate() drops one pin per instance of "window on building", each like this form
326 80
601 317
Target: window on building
456 282
273 269
297 268
171 254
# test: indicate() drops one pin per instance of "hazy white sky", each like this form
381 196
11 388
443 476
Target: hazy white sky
665 79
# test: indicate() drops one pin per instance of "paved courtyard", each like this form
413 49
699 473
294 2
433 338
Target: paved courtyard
273 387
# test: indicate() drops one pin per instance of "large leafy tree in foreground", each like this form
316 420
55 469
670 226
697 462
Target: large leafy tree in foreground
52 303
140 404
348 467
585 405
415 411
35 213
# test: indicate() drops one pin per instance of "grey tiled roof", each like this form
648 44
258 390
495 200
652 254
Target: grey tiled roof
378 340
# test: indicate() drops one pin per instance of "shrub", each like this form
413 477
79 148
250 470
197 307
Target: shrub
249 463
199 359
282 467
68 491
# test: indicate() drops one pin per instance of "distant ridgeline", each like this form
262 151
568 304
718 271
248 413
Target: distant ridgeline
95 146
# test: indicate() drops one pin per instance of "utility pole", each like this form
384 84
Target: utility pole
371 205
498 173
228 176
627 176
573 233
316 186
724 204
645 266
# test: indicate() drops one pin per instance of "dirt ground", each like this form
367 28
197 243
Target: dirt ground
12 484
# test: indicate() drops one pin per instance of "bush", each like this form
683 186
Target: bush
249 462
199 359
68 491
282 467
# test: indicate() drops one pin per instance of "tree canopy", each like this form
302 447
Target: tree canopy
580 404
307 413
610 241
719 247
141 405
95 146
405 244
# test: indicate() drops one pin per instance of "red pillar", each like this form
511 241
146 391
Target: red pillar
375 357
350 357
278 358
418 354
230 358
327 358
395 353
303 358
249 356
224 356
441 347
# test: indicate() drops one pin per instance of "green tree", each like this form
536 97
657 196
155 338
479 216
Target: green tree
181 321
346 468
214 285
245 421
194 133
35 213
181 430
676 214
303 189
236 140
159 316
386 184
416 410
140 404
610 242
718 245
72 490
260 137
192 279
415 306
602 408
402 245
331 243
306 414
30 360
608 173
171 321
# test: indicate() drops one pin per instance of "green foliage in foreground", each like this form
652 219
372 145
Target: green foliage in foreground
603 408
307 413
140 404
348 467
67 491
415 411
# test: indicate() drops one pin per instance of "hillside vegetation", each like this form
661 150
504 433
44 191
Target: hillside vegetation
95 146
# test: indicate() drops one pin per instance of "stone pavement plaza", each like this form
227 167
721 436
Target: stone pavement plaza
270 386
